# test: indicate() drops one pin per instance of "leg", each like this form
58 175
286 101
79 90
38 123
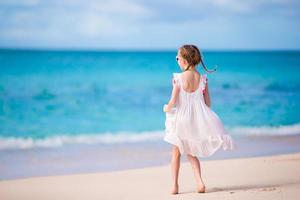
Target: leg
175 165
197 171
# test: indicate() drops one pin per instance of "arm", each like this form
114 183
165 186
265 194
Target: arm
206 95
173 99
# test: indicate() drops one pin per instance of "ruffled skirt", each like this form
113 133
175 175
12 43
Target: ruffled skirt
202 146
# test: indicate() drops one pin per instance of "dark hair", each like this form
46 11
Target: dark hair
193 56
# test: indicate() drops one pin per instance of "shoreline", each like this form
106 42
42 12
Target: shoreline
266 177
77 159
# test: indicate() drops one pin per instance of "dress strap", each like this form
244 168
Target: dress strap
203 82
176 79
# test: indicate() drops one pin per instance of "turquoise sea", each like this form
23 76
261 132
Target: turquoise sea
51 98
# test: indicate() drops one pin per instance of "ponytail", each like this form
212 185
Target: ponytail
205 68
202 63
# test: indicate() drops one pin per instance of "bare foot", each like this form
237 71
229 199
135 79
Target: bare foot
174 190
201 188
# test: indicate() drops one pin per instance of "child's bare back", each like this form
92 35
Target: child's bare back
191 80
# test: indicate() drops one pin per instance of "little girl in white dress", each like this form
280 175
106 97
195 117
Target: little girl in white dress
191 126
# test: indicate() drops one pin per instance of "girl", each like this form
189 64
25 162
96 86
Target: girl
192 127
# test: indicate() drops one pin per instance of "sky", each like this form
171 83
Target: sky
150 24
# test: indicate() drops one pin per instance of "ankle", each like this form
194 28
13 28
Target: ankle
201 183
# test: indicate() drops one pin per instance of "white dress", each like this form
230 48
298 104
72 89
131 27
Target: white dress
193 126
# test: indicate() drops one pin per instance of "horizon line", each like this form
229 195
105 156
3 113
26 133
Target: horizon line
142 49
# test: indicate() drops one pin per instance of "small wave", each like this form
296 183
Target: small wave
60 140
129 137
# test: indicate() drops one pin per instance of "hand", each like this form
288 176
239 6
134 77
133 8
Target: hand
166 108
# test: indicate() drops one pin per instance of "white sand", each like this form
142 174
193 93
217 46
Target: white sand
272 177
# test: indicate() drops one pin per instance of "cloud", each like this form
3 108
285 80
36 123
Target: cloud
149 24
81 20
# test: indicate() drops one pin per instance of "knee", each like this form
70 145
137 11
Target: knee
176 153
190 157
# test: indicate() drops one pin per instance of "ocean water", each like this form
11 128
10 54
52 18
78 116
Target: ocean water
52 98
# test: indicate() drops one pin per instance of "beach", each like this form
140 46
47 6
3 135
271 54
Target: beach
266 177
260 167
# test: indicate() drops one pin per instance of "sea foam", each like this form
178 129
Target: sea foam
129 137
